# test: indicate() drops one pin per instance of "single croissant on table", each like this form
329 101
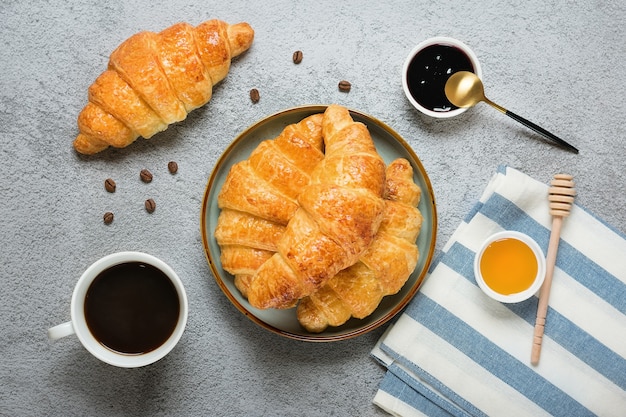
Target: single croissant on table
156 79
384 267
259 197
340 212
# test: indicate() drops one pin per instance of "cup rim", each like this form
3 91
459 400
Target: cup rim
539 277
92 344
438 40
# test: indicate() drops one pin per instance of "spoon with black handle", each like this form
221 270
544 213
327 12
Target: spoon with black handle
465 89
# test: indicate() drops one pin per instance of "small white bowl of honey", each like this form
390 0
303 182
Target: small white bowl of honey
510 267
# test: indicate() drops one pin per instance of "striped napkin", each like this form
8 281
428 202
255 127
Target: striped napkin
454 351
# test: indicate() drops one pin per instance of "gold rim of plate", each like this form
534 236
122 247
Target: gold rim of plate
390 146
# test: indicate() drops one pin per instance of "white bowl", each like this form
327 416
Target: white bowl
537 281
444 41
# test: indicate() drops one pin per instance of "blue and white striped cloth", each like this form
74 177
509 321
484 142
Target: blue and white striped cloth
454 351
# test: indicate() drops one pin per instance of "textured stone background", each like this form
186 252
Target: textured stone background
560 64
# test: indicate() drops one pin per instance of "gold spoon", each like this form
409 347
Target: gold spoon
464 89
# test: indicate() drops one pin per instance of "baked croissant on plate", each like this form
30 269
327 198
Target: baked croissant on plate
340 212
384 267
259 197
156 79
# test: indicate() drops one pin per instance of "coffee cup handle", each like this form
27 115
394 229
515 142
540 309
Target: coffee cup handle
62 330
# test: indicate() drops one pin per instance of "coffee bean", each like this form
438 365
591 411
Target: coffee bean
344 86
297 57
108 217
145 175
172 167
150 205
254 95
109 185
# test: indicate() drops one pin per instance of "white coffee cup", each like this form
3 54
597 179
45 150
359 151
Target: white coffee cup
79 326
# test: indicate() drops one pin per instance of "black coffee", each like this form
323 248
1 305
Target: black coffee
132 308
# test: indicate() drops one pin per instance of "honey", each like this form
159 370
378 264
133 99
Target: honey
508 266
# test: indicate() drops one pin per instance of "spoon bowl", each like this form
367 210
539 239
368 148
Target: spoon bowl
465 89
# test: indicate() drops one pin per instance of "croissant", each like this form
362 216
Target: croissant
259 196
384 267
155 79
340 212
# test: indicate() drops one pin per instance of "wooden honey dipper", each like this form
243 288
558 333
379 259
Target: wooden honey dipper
561 197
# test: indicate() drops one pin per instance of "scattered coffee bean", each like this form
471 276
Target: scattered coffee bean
297 57
109 185
145 175
108 217
254 95
344 86
172 167
150 205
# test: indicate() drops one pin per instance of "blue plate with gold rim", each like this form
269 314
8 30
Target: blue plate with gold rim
390 146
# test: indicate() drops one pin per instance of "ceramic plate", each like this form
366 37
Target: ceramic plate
284 322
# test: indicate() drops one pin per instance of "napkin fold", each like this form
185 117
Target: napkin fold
456 352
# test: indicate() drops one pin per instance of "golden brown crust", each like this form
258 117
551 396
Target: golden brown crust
324 298
401 220
261 185
348 162
339 215
392 259
302 143
99 128
214 48
240 37
136 61
312 255
255 202
116 97
400 185
239 228
382 269
350 217
89 144
246 191
242 283
286 162
154 80
182 66
239 259
355 291
276 169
